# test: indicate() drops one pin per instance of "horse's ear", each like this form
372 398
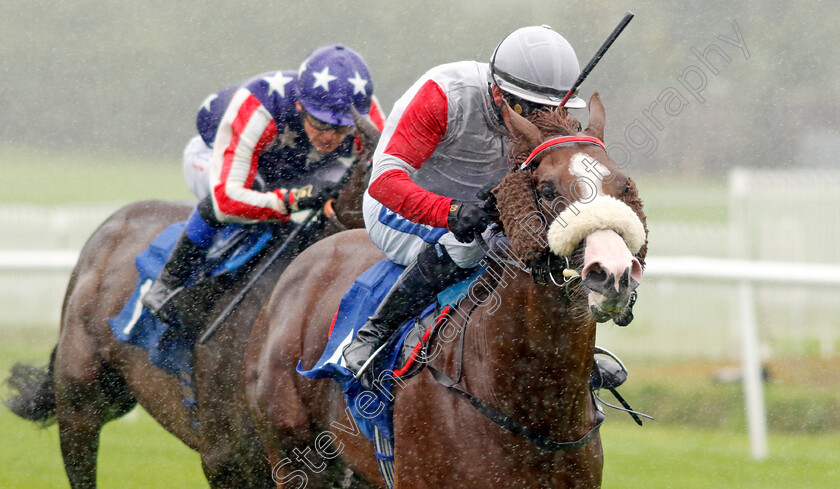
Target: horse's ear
597 118
522 127
368 132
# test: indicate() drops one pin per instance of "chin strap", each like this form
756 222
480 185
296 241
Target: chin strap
498 122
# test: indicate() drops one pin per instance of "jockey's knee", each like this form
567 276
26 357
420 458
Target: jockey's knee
207 212
202 225
465 255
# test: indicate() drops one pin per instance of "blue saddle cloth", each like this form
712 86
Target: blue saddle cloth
136 326
372 411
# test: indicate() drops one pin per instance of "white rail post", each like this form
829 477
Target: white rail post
745 317
751 366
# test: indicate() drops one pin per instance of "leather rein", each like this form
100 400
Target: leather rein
539 272
542 441
330 214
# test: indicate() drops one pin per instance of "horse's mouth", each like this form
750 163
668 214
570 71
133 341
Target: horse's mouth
618 310
602 316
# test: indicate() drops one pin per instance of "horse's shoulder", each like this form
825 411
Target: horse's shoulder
354 242
331 263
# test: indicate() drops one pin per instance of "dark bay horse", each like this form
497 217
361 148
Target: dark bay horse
529 356
94 378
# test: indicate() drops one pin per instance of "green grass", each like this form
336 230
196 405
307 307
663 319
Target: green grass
675 451
659 456
54 178
135 452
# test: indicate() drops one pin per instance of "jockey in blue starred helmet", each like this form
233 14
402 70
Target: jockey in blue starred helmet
267 147
330 81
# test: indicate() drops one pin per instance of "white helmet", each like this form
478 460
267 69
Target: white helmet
538 65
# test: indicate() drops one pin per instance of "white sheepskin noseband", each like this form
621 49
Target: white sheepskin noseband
604 212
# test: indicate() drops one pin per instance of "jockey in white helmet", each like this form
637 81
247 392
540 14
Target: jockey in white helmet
443 142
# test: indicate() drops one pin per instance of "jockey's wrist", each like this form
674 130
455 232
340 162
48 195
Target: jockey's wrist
448 206
283 204
453 207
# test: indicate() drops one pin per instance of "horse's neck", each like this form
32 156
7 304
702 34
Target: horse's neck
533 355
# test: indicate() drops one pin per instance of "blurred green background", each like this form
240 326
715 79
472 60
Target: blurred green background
127 77
98 99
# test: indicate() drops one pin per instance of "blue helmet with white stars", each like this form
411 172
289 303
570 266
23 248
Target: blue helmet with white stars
330 81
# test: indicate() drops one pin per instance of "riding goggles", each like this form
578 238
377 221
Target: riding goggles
320 125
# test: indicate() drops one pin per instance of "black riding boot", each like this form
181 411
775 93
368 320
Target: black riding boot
414 290
185 257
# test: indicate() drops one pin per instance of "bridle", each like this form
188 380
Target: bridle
552 143
506 422
543 272
332 216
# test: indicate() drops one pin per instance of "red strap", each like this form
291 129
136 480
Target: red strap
551 143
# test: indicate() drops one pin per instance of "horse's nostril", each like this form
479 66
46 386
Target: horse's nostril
596 274
624 281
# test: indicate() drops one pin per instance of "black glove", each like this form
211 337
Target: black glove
314 197
488 200
467 220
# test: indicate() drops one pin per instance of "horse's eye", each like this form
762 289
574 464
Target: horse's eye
547 190
627 186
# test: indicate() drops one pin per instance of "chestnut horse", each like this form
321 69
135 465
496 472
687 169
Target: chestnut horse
529 357
93 378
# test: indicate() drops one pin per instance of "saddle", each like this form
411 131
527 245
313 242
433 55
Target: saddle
228 261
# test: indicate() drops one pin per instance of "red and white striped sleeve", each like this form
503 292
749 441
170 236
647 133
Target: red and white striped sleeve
377 114
246 128
421 127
